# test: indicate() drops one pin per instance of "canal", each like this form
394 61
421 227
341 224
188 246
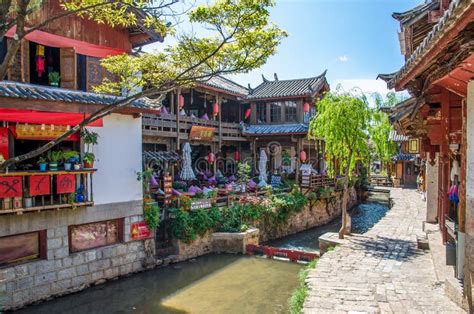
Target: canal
213 283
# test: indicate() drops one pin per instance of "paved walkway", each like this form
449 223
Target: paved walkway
381 270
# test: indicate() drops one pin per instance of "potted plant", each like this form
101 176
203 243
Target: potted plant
54 157
243 175
88 159
90 139
70 157
42 162
54 79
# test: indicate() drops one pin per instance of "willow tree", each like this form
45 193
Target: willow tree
238 38
343 121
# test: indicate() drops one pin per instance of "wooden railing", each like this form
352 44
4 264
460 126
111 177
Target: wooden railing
165 125
376 180
31 191
317 181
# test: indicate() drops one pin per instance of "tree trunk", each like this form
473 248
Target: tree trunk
346 219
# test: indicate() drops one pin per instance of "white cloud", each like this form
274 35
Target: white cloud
343 58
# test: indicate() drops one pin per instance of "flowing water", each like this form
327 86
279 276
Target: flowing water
210 284
213 283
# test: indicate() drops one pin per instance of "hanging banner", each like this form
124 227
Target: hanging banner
139 231
65 183
41 131
201 133
10 187
40 185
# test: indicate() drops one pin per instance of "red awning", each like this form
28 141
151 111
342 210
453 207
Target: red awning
44 117
81 47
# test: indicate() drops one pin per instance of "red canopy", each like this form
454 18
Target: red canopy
81 47
44 117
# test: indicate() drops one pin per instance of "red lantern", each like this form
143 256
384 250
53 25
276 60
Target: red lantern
303 156
215 109
211 157
236 156
306 107
181 102
247 113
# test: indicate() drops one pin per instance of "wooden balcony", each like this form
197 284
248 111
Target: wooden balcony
317 181
166 125
35 191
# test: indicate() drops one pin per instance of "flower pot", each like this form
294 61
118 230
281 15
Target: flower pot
88 165
67 166
55 84
28 202
42 166
53 166
77 166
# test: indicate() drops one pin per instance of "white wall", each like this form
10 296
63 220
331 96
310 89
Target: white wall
118 159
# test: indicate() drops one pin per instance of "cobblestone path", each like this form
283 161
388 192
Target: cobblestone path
381 270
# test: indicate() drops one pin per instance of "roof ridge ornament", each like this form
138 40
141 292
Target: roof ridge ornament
275 76
264 79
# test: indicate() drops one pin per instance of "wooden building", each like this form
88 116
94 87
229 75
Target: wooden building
437 41
406 165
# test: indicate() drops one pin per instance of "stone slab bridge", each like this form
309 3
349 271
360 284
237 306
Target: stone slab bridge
381 271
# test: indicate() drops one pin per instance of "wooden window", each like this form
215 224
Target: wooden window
275 112
68 65
22 247
96 234
413 146
261 112
290 111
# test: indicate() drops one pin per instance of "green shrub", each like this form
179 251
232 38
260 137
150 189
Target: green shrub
296 301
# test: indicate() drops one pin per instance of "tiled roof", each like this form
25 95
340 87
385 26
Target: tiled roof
227 85
402 109
273 129
403 157
39 92
288 88
394 136
406 16
455 9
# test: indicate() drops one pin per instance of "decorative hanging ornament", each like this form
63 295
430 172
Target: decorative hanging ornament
306 107
303 156
215 109
247 113
211 157
181 102
236 156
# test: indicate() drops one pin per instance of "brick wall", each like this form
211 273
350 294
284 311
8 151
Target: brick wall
64 272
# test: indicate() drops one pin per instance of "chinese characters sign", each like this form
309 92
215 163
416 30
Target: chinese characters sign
10 187
66 183
201 133
139 231
40 185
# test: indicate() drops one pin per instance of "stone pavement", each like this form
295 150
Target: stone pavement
381 270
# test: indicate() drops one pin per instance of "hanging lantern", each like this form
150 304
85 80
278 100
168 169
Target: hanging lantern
236 156
247 113
215 109
306 107
211 157
303 156
181 102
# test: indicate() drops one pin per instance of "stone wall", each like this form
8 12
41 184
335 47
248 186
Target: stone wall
64 272
226 242
315 214
201 246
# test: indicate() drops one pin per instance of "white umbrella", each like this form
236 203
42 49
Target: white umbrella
187 172
262 166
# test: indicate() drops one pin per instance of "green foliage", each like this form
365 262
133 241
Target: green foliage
54 156
326 192
151 212
187 225
298 297
241 38
89 137
89 157
243 172
70 154
343 121
54 77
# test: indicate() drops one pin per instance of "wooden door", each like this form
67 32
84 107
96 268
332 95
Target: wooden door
68 68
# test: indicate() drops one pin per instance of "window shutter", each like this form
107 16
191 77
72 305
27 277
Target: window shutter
68 68
94 73
25 60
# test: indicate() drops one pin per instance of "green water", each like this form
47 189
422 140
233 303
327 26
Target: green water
210 284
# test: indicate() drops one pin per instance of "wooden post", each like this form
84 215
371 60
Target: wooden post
219 104
462 179
178 93
298 150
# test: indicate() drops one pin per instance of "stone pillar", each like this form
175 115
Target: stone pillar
431 190
469 235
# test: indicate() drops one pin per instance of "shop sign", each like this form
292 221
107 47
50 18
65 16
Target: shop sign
65 183
10 187
39 131
201 133
40 185
201 204
139 231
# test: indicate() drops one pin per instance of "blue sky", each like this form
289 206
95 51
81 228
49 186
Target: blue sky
353 39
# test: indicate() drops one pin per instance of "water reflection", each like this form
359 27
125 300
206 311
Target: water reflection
211 284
